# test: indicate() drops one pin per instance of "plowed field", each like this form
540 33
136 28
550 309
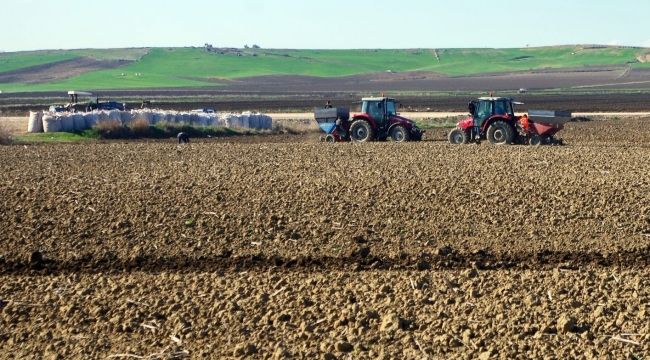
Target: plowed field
270 250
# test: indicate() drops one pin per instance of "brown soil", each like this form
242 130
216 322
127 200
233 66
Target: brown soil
56 71
270 249
224 100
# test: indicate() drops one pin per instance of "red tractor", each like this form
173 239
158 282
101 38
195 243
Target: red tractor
493 118
378 120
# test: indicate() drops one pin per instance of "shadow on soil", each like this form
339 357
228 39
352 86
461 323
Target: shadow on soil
358 261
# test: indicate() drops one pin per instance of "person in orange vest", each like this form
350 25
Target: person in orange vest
525 122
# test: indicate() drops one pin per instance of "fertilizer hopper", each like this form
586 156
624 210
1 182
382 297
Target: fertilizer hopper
540 126
327 121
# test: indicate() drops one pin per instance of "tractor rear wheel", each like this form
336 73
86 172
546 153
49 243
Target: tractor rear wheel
361 131
500 133
458 136
399 134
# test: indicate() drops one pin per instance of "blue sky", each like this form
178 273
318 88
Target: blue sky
333 24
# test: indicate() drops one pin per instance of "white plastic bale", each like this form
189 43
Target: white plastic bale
79 122
102 116
233 121
170 117
35 123
178 119
268 121
244 121
254 121
220 121
67 123
147 116
90 119
194 118
115 115
263 122
125 117
157 118
51 124
186 118
202 120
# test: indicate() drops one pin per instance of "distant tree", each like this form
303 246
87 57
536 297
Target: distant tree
256 46
246 46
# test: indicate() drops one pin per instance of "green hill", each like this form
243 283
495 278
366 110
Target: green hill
196 67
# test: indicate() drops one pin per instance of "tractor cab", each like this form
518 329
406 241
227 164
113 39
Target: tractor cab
488 107
379 109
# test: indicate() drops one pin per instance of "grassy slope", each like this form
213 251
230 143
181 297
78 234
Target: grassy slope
162 67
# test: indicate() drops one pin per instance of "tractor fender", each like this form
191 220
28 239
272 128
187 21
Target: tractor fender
364 117
489 122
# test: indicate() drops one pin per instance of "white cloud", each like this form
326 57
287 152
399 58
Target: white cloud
614 42
646 43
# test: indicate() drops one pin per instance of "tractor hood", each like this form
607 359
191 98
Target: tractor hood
407 121
465 123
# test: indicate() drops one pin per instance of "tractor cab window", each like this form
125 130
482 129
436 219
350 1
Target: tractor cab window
390 108
483 112
503 107
376 111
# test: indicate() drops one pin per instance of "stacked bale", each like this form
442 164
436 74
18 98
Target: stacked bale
70 122
147 115
115 116
170 117
126 118
102 117
35 123
203 120
232 121
79 122
91 119
67 123
51 123
245 121
157 118
254 121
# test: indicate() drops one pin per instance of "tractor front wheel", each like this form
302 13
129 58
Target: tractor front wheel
536 140
361 131
330 138
500 133
399 134
458 136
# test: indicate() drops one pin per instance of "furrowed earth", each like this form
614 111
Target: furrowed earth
273 247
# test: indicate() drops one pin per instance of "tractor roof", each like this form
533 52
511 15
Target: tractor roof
82 93
493 98
376 99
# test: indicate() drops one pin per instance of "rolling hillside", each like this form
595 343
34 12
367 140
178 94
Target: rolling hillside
195 67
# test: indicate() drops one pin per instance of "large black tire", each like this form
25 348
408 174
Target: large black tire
330 138
399 134
361 131
536 140
458 136
500 133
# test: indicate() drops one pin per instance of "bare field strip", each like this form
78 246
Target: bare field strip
265 249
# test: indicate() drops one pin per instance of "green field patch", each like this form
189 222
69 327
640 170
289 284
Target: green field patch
186 67
20 60
55 137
